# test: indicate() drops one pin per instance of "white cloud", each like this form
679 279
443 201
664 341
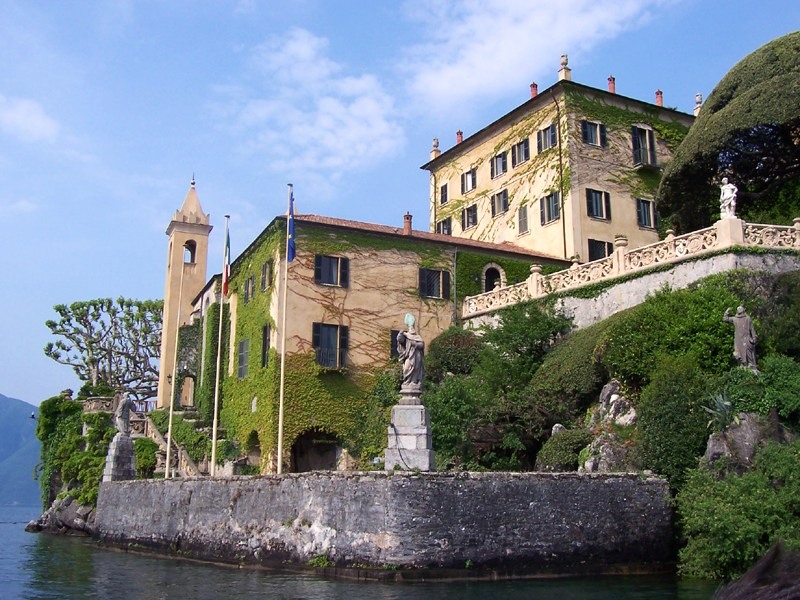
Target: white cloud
306 114
27 120
479 49
17 207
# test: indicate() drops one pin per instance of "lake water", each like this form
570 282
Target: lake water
57 567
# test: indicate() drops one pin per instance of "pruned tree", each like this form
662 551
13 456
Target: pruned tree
116 341
749 131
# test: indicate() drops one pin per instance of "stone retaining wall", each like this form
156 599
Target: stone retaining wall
523 521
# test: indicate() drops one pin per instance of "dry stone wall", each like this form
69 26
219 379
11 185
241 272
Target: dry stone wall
525 522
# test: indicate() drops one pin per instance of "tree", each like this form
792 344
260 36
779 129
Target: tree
113 341
748 131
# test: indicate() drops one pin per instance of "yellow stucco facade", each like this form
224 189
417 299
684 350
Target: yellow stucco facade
563 174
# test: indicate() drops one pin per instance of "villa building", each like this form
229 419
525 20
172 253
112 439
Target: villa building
562 174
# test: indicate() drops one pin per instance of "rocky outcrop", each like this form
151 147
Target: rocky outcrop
65 516
738 443
608 452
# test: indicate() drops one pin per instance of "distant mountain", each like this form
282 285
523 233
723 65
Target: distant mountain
19 453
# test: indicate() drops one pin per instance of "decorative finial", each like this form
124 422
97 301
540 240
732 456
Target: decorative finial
192 182
564 60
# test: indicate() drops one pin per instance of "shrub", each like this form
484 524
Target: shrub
672 422
561 451
145 450
730 523
676 323
454 351
781 377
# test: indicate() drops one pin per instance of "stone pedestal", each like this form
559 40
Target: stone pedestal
121 459
410 445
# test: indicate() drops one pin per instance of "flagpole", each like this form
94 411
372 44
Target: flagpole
289 245
174 374
223 293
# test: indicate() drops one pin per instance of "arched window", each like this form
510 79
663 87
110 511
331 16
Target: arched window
189 250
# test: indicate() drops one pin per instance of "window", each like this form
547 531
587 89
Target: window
331 270
445 226
265 337
522 220
469 180
266 275
434 283
469 217
249 289
393 353
330 344
646 215
443 194
520 152
550 209
599 249
244 350
598 204
546 138
594 133
499 164
499 203
644 146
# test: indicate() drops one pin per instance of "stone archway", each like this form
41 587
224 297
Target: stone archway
315 450
253 450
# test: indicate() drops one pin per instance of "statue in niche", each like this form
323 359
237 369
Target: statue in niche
411 352
744 337
122 415
727 199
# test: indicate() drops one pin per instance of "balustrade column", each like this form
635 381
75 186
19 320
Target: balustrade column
797 232
620 250
535 281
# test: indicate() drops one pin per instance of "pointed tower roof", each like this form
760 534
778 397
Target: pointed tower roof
190 212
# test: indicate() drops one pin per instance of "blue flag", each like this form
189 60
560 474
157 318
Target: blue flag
291 252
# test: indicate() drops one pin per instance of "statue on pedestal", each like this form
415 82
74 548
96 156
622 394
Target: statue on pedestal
727 199
744 337
411 352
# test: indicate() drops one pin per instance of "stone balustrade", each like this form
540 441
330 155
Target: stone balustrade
725 233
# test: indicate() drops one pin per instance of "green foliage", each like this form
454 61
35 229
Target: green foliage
780 317
673 323
204 397
455 350
560 453
747 131
196 443
730 523
672 424
101 389
721 411
781 377
470 266
454 406
145 450
513 350
67 457
321 561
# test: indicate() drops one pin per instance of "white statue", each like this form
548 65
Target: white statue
411 349
727 199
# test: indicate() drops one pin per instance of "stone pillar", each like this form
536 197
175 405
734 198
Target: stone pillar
620 249
730 232
535 281
797 232
410 444
121 459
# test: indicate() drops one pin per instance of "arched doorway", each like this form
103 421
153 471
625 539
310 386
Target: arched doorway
253 450
315 450
491 278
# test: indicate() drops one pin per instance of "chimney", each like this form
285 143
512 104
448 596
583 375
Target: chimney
534 89
564 72
407 223
659 98
459 136
612 84
435 152
698 103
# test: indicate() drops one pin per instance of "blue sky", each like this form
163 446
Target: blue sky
108 108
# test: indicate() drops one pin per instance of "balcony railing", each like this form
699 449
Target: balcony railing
723 234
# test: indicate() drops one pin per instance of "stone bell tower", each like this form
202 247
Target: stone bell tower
187 258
